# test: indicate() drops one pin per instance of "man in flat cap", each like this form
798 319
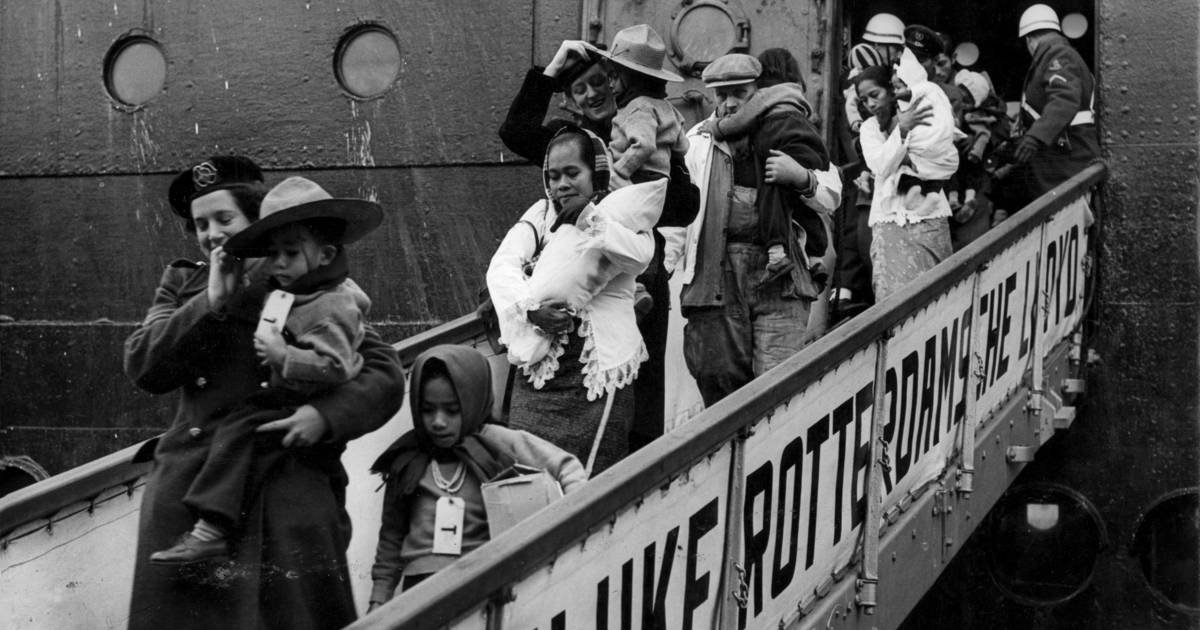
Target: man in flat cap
746 302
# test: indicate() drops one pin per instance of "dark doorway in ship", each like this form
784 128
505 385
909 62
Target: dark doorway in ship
991 25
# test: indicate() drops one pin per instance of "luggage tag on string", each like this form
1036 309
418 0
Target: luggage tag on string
448 526
274 312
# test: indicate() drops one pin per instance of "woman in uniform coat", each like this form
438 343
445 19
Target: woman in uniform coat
289 565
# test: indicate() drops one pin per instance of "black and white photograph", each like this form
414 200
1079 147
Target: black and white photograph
600 314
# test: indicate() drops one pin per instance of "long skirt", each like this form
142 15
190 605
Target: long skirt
561 413
901 253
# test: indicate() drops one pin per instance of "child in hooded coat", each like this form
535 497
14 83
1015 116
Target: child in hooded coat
451 451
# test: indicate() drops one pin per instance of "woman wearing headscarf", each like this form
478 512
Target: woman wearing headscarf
577 70
908 145
563 401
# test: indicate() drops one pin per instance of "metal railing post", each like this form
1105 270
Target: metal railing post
733 587
868 579
1034 412
965 484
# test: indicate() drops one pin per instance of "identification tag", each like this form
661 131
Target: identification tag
448 526
275 311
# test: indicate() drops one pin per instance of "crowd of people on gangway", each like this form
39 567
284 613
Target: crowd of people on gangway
767 235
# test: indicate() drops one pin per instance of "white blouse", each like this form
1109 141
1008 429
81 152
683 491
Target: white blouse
928 153
613 348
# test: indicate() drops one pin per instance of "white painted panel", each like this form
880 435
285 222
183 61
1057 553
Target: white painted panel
76 575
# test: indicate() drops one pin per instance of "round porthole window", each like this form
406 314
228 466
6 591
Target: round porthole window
1043 541
367 61
1165 545
704 30
135 70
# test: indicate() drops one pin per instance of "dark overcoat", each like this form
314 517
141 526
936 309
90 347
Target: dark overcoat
289 563
1057 109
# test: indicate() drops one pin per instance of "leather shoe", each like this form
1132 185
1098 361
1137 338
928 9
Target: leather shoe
190 550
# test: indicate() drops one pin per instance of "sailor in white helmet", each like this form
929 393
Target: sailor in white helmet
886 32
1057 105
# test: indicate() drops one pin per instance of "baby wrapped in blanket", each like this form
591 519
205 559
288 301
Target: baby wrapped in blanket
578 262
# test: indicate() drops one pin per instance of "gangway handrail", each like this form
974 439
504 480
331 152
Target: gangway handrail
46 498
516 553
477 577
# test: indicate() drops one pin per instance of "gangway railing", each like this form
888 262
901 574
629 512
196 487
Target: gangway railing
791 502
759 512
67 542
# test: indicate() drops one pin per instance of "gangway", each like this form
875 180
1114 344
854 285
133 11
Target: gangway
791 503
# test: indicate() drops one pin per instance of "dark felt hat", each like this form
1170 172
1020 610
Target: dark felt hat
923 40
295 200
220 172
576 66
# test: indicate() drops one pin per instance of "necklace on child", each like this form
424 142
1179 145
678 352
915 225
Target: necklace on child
454 483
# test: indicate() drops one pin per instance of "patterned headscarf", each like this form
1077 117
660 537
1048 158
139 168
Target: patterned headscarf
863 56
600 168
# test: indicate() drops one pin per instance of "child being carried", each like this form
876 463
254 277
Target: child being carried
578 263
301 235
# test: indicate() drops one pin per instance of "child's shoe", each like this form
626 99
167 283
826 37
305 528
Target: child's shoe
642 302
190 550
205 542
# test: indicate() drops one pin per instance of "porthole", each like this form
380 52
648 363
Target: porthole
704 30
135 70
1074 25
1043 541
367 61
18 472
1166 543
966 54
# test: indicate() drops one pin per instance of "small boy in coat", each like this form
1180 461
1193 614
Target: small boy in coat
301 235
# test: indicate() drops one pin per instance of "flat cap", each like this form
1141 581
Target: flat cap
923 40
731 69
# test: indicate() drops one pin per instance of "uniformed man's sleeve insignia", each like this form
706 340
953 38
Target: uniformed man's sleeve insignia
1055 65
1059 77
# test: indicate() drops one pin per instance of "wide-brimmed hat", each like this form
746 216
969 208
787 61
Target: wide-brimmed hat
219 172
297 199
640 48
731 69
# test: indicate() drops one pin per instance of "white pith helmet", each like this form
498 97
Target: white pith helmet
1038 17
885 28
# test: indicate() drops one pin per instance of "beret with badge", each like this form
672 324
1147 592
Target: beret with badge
220 172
